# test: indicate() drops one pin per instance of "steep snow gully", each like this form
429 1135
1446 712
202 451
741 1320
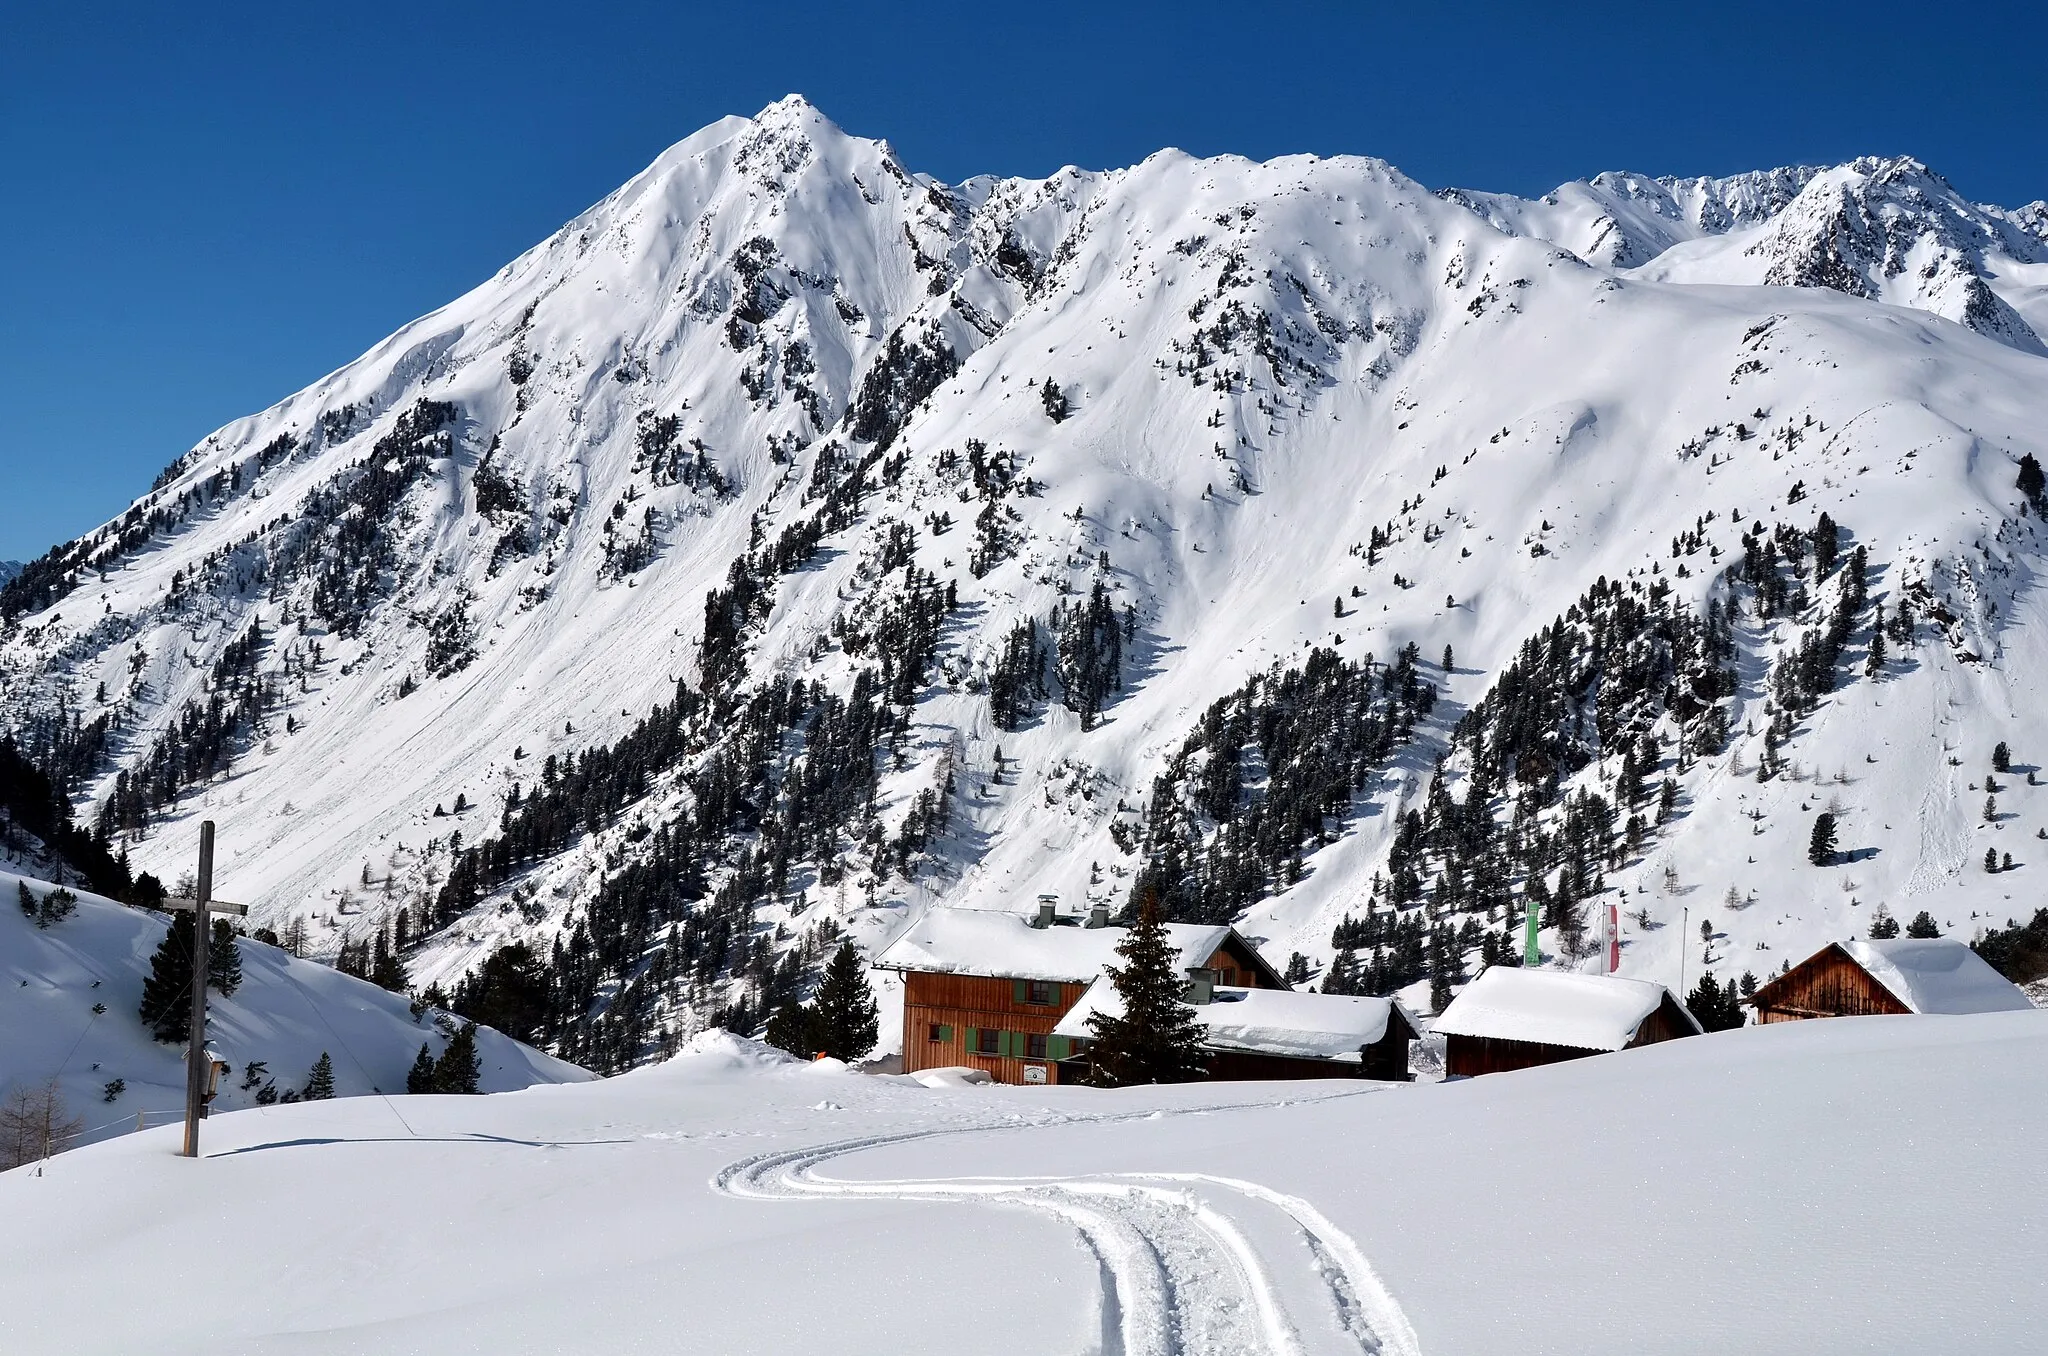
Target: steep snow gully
1191 1263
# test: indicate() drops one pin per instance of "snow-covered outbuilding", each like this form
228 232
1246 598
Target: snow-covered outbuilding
986 988
1278 1033
1894 977
1511 1018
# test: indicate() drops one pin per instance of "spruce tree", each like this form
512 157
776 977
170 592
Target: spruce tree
223 960
420 1078
1923 926
2032 483
1991 861
459 1066
1156 1039
167 992
1884 927
2001 758
1715 1006
320 1082
26 897
794 1027
847 1021
1820 849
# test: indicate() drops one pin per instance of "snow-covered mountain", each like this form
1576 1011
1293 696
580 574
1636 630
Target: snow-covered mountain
70 991
9 569
793 540
1888 229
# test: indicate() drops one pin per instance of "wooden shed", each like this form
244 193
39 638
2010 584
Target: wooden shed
1280 1033
1512 1018
986 988
1887 978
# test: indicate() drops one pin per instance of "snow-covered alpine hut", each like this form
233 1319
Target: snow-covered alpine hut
1894 977
986 988
1277 1033
1511 1018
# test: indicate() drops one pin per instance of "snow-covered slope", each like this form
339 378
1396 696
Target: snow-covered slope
821 440
69 994
1862 1197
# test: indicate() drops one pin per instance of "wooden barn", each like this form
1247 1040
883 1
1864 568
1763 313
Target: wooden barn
1511 1018
1885 978
986 988
1278 1033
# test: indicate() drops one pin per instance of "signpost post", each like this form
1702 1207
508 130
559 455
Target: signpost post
198 1067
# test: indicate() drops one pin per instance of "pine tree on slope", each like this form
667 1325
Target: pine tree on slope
1156 1039
320 1082
1820 849
167 992
223 960
459 1065
420 1078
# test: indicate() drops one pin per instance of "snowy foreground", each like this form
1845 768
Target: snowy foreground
1855 1185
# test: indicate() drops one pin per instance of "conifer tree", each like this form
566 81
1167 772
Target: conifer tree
2032 483
320 1082
1820 848
1884 927
2001 758
223 960
26 898
794 1027
847 1020
167 991
420 1078
1716 1007
1923 926
458 1068
1156 1039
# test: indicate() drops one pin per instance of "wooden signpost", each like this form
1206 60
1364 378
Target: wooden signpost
199 1071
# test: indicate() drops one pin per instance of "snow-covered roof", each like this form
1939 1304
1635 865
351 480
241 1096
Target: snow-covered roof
1937 974
1263 1021
1549 1007
1006 945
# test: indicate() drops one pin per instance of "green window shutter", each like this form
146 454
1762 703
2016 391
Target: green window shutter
971 1034
1058 1047
1020 991
945 1032
1016 1044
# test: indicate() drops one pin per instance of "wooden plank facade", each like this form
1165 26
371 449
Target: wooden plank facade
1004 1025
1827 984
1470 1056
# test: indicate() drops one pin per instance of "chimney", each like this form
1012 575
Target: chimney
1098 916
1048 905
1201 986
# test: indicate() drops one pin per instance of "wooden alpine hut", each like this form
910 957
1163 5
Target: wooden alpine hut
1902 975
986 988
1511 1018
1278 1033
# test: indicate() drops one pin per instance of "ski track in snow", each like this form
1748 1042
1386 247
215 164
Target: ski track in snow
1191 1263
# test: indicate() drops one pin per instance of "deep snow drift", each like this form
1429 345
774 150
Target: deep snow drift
1840 1186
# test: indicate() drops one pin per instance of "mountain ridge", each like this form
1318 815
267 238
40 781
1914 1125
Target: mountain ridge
713 550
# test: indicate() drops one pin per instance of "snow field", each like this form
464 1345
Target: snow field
1841 1186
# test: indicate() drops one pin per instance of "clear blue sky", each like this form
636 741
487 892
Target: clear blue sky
207 206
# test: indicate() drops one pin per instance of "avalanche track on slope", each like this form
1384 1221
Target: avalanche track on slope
1191 1263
